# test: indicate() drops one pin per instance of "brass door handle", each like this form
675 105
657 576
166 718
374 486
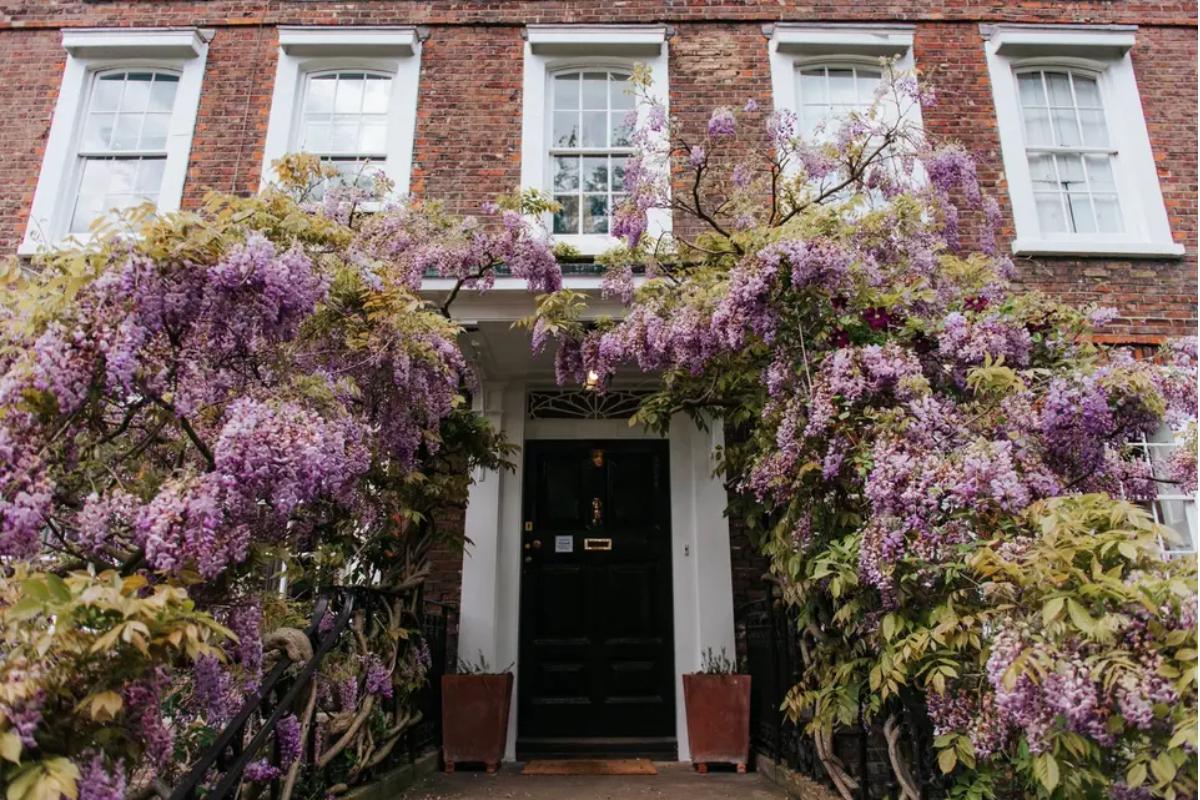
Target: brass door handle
597 544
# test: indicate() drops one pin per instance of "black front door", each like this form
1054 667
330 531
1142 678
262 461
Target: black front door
596 645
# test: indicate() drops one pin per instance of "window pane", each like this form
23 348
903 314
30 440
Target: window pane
320 94
1050 213
566 219
1070 172
618 173
812 86
1108 213
595 215
98 130
126 134
841 87
595 90
344 134
377 92
1095 133
1100 176
566 173
349 97
622 128
107 93
1087 93
1037 126
1041 172
1029 84
566 129
595 174
373 137
315 137
1066 129
1059 86
154 131
162 92
620 93
1081 213
149 176
137 92
566 91
868 81
595 129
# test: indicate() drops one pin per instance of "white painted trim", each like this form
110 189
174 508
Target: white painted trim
549 49
92 51
320 40
833 39
701 570
306 50
1144 215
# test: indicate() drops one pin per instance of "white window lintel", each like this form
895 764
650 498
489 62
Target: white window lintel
1104 50
1083 41
90 51
307 40
101 43
836 39
596 40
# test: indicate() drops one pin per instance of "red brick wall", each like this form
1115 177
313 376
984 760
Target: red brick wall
467 145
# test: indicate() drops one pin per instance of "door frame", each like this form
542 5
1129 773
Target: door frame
660 746
700 559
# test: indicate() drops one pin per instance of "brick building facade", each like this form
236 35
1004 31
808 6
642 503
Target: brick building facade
470 121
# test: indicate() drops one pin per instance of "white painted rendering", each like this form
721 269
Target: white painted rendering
1103 51
302 50
89 52
554 48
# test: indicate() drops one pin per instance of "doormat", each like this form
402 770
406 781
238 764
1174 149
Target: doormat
587 766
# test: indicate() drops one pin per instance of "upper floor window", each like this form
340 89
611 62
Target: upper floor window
1077 156
349 96
589 146
122 129
1069 152
827 94
579 112
123 143
344 121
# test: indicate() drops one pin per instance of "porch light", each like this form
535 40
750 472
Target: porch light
593 380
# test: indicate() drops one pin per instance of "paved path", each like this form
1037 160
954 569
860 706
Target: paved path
674 781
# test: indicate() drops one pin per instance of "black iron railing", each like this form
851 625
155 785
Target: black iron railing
776 665
220 769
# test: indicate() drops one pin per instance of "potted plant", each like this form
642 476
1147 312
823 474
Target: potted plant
475 704
717 700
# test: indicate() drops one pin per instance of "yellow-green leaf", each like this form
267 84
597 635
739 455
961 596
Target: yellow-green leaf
947 760
10 747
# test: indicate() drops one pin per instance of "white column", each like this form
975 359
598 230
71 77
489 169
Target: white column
702 576
489 611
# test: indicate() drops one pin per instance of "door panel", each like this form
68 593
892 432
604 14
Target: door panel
597 655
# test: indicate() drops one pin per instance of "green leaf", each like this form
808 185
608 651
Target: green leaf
1052 609
947 761
1082 619
1045 769
10 747
1136 775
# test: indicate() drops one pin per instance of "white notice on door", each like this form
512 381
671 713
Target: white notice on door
564 544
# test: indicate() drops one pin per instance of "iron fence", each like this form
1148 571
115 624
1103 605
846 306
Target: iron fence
775 664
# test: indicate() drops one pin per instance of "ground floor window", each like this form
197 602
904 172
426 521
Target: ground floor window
1174 507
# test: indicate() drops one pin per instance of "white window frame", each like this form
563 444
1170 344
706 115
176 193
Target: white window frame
792 47
90 52
1165 442
552 49
308 50
1103 52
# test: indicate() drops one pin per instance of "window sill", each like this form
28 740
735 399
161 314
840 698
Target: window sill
1093 248
587 244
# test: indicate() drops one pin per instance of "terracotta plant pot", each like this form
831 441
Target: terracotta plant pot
718 719
475 718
